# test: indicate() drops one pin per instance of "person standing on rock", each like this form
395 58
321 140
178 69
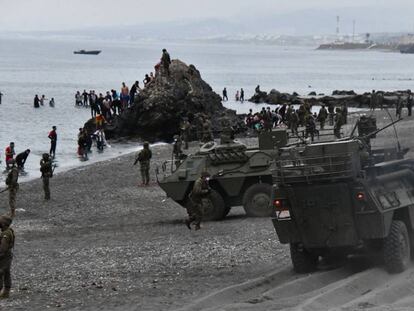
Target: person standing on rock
7 238
12 186
241 95
144 157
225 98
166 61
195 209
53 141
47 172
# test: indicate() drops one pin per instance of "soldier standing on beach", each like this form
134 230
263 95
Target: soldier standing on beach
12 186
322 116
6 255
185 132
410 103
144 157
195 209
373 101
338 123
47 173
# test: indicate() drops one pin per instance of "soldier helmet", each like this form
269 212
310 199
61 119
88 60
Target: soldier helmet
205 174
5 220
146 144
45 156
176 137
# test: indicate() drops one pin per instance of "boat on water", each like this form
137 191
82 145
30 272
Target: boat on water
85 52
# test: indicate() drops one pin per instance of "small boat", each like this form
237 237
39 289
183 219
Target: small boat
84 52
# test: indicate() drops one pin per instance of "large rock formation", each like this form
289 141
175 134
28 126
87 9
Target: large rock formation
160 107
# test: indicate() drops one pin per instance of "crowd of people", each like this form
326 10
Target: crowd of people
288 116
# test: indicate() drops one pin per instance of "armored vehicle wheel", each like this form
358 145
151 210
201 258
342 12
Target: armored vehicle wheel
216 210
303 261
256 200
396 249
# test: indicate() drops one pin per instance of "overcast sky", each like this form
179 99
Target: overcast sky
25 15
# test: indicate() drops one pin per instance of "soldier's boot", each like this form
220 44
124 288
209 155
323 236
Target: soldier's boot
5 293
12 213
188 223
197 227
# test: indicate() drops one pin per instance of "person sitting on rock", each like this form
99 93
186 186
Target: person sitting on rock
147 80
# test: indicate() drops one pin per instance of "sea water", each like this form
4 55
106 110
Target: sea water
48 66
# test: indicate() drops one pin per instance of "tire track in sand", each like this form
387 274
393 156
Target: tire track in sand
352 287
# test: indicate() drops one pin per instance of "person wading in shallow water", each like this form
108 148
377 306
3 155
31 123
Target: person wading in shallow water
6 255
144 157
195 209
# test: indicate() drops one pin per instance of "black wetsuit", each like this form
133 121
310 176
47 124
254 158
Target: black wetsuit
21 159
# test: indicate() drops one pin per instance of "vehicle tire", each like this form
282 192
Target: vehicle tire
303 261
256 200
217 209
396 250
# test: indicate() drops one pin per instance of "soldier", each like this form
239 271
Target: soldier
185 132
12 186
410 103
177 150
47 173
338 123
373 101
310 127
322 116
344 111
227 132
166 61
6 255
398 108
144 157
207 137
331 114
195 209
294 122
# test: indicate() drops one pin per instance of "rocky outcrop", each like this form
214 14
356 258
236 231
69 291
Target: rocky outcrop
160 108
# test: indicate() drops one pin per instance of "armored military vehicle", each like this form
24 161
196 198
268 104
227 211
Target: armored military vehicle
344 196
239 175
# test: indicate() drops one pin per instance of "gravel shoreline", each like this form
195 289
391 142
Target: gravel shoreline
104 243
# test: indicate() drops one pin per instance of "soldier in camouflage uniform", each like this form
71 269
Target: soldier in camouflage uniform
144 157
322 116
195 209
185 132
47 173
12 186
338 123
6 255
207 137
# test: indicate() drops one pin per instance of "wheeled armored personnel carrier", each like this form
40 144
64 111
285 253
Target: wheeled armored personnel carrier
239 175
343 196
